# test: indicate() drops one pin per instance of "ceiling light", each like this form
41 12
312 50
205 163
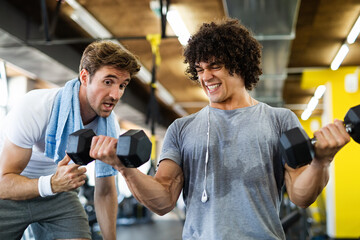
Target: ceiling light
85 20
313 103
306 114
174 19
178 26
340 57
354 32
319 92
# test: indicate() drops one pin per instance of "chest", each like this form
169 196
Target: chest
238 146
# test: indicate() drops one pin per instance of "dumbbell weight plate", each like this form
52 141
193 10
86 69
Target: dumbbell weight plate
133 148
78 146
352 119
297 147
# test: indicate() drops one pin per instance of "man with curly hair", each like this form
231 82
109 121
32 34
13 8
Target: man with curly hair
226 158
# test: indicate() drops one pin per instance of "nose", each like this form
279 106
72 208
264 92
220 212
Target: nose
116 93
206 75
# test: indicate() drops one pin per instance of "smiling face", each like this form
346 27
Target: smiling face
224 90
99 94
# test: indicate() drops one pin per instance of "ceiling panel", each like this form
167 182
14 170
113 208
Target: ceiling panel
313 30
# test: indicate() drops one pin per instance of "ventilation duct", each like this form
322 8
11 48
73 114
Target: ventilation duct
273 25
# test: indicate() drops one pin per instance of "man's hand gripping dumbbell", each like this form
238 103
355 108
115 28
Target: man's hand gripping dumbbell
299 149
132 148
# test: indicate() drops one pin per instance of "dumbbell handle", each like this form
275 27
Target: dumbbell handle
348 128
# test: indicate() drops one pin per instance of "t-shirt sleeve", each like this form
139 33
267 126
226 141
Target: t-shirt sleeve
171 147
27 119
290 121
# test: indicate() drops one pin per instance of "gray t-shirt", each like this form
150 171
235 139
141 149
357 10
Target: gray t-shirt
245 171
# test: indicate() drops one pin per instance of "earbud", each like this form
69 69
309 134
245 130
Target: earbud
204 197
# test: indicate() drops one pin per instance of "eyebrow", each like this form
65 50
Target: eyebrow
115 77
210 64
214 63
111 76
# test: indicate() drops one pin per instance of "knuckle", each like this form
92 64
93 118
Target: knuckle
340 144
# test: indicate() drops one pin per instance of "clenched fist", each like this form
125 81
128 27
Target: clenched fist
68 176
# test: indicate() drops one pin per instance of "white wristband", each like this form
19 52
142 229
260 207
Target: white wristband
44 186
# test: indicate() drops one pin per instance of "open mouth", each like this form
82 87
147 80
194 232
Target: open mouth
109 106
214 87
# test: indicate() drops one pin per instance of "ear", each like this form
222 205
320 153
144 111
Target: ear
84 77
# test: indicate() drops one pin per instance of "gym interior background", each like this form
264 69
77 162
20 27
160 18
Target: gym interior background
310 64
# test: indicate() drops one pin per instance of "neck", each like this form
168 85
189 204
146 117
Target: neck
87 114
242 101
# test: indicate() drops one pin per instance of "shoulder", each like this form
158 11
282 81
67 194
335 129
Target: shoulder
183 125
282 118
38 102
37 98
187 120
41 94
28 117
277 112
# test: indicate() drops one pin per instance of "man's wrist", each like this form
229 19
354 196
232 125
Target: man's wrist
321 164
44 186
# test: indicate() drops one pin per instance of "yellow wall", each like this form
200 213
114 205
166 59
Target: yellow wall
346 164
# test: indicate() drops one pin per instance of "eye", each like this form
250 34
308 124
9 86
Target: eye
199 70
123 86
216 67
107 82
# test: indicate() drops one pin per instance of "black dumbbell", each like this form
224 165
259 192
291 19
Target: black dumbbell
133 147
298 148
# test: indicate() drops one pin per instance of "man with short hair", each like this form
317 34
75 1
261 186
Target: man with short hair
38 184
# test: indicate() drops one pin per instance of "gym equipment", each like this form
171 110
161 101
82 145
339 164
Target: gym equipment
290 219
131 212
298 149
297 222
133 147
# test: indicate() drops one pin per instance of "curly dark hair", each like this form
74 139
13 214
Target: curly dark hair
229 43
107 53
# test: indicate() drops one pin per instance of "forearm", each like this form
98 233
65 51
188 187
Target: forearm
17 187
158 193
309 184
13 160
106 206
158 197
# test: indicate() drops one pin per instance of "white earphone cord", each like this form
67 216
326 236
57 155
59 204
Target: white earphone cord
204 196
